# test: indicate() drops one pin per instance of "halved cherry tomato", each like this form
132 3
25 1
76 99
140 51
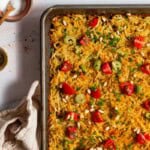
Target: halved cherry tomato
96 93
106 68
93 22
71 132
145 68
84 40
67 89
147 136
127 88
140 138
66 66
109 144
139 42
72 116
96 117
146 105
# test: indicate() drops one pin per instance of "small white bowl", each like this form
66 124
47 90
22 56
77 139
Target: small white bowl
23 13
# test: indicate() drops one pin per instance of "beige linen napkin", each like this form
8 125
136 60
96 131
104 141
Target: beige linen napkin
19 127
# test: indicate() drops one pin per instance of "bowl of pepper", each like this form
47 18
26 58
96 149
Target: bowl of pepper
3 59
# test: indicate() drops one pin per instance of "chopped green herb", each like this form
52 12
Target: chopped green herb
65 32
130 146
99 33
120 29
52 50
92 102
132 51
93 87
116 111
117 95
130 59
92 139
81 144
129 37
97 64
88 33
65 144
83 68
78 88
95 38
113 137
108 36
138 89
119 72
113 49
90 57
121 53
139 65
113 42
100 102
132 69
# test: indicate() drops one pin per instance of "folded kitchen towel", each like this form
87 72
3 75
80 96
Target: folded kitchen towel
19 127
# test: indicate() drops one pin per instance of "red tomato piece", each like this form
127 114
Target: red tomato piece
71 132
146 104
145 68
72 116
93 22
96 93
139 42
96 117
109 144
147 136
84 40
67 89
127 88
106 68
66 66
140 138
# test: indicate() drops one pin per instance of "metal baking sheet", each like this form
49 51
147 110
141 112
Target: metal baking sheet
45 43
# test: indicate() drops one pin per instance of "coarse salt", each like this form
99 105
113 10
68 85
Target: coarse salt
89 122
118 32
60 86
86 111
105 84
66 97
81 116
128 14
107 128
88 91
99 148
78 124
148 44
142 54
101 111
117 118
64 100
75 76
64 23
101 39
104 19
92 109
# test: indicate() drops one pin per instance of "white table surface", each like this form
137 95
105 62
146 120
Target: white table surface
22 43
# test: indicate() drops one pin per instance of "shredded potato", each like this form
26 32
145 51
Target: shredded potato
110 40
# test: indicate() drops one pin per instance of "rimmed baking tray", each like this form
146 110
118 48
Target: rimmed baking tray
45 43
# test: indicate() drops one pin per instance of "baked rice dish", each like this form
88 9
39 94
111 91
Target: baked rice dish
99 96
